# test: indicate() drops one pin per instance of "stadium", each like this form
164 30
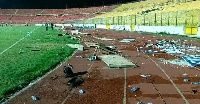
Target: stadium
138 52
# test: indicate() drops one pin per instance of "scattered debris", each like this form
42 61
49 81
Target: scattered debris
185 74
107 39
68 71
79 56
194 91
193 60
92 44
145 76
172 47
92 58
61 34
75 32
81 91
116 61
78 46
20 51
186 80
134 89
127 40
177 62
144 103
35 50
30 84
74 82
34 98
149 51
196 83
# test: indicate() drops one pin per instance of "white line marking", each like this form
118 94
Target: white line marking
183 97
124 100
17 42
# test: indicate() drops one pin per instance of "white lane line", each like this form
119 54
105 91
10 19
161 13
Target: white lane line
17 42
183 97
124 99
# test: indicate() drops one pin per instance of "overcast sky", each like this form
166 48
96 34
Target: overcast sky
54 4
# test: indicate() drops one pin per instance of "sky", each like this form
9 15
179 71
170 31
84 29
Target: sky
55 4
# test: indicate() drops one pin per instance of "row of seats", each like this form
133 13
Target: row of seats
39 19
57 11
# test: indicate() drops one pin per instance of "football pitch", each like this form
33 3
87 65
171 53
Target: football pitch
27 52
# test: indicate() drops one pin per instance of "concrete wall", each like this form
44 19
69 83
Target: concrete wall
121 27
101 26
198 33
156 29
180 30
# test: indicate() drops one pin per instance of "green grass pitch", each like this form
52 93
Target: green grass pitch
31 57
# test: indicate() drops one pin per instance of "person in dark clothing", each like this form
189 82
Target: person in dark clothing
46 25
52 26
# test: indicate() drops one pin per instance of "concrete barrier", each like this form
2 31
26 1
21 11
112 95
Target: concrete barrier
121 27
101 26
157 29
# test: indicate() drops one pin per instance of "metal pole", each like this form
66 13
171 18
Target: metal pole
135 19
117 20
168 19
176 18
144 20
155 19
131 19
192 24
113 18
121 20
161 19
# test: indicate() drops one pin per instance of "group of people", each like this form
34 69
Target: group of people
47 26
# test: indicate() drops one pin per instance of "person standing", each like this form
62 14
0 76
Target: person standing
46 25
52 26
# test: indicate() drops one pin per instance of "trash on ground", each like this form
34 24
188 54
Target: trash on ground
92 58
74 82
34 98
134 89
193 60
186 80
68 71
177 62
116 61
81 91
61 34
78 46
79 56
196 83
194 91
145 76
92 44
185 74
144 103
126 40
103 38
149 51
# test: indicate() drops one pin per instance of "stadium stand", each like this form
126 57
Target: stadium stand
32 16
7 11
28 11
53 11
